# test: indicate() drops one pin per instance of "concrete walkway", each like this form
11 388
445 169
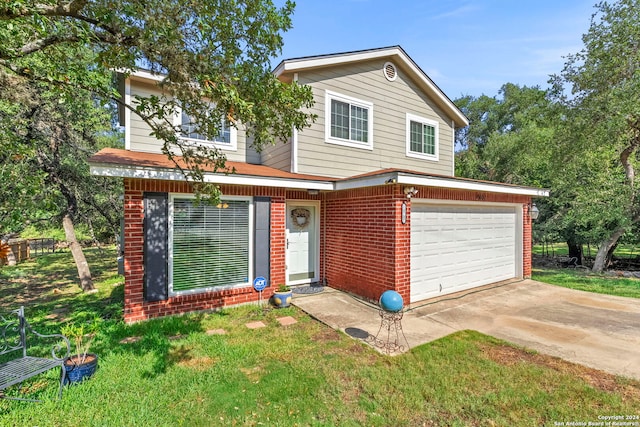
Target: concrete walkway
599 331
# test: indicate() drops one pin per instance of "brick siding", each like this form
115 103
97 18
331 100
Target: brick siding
364 247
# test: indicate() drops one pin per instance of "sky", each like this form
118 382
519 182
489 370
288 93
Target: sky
465 47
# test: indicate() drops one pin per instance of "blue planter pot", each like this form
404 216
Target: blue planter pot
77 372
282 299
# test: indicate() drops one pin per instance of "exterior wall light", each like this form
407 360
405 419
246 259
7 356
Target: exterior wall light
534 212
410 192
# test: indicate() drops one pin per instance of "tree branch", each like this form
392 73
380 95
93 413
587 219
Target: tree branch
61 9
37 45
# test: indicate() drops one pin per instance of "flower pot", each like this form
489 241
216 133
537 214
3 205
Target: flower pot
77 371
282 299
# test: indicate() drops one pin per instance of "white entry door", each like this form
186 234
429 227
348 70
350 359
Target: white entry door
458 247
302 243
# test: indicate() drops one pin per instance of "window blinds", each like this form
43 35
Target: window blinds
210 244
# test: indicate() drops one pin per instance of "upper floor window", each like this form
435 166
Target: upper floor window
189 130
422 137
348 121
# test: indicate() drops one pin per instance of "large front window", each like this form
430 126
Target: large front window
349 121
210 244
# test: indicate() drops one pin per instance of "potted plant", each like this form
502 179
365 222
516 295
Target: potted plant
82 364
282 296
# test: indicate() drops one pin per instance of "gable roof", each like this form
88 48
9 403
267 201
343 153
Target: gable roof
288 67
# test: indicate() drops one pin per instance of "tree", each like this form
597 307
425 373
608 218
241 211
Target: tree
491 118
604 84
45 145
215 56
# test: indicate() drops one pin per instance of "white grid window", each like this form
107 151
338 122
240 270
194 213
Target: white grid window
422 137
348 121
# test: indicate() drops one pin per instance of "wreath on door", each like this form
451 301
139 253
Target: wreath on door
300 217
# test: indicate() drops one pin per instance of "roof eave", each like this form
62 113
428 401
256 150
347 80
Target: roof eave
145 172
438 182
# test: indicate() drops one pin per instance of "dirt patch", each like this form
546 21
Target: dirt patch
197 363
326 335
253 374
509 356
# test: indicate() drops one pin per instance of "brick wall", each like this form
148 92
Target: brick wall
135 308
364 247
368 249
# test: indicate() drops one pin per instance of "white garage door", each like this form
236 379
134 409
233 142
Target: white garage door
454 248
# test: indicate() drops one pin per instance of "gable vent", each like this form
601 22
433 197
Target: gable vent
390 71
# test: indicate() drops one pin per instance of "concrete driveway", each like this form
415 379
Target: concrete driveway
599 331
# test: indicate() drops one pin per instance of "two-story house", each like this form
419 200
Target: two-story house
364 200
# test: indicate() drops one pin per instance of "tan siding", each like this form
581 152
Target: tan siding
278 156
141 140
391 101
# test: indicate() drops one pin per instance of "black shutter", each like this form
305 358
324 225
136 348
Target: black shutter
262 246
156 269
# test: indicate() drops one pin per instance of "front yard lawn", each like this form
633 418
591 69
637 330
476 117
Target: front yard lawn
584 281
210 369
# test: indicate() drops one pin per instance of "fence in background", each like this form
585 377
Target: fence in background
18 250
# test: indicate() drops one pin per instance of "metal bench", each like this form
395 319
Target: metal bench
13 338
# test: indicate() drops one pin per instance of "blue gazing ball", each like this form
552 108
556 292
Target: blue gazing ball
391 301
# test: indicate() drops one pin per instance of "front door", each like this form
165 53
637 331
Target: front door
302 242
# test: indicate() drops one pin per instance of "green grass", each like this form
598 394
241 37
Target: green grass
561 250
584 281
305 374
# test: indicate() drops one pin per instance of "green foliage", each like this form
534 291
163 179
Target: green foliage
82 335
579 138
215 56
35 231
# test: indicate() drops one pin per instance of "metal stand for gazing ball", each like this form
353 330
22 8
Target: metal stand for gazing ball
391 322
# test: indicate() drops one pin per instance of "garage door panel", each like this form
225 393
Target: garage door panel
459 247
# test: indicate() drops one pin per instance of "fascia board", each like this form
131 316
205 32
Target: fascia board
292 65
371 181
231 179
140 74
471 185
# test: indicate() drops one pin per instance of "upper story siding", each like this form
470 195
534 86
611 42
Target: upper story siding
358 76
138 133
391 100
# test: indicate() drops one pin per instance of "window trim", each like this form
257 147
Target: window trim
232 145
329 96
251 226
425 121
